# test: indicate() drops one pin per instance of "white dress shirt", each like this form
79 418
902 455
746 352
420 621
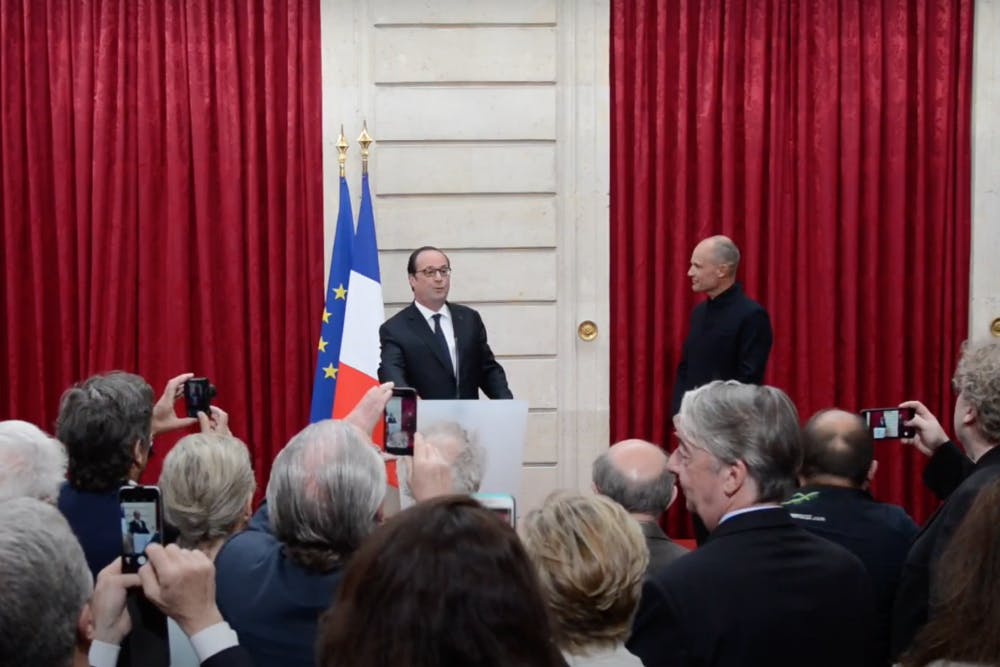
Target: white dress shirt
213 639
447 327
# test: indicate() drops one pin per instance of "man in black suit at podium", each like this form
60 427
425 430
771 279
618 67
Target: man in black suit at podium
424 344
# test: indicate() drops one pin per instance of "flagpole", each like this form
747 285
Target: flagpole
342 147
366 141
335 300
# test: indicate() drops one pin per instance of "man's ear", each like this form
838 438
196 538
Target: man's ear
969 415
85 628
139 454
871 471
597 491
735 476
673 497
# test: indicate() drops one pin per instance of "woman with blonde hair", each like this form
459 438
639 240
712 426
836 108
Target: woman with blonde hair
207 486
591 558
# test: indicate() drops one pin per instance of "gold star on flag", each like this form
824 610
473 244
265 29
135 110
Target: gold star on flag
322 344
330 372
326 316
340 292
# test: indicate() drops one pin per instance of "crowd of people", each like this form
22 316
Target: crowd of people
801 565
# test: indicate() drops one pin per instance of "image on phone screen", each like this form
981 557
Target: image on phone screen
888 423
400 424
140 527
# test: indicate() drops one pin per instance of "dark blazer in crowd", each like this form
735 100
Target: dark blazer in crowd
412 356
730 339
271 602
951 476
96 520
760 591
662 550
879 534
236 656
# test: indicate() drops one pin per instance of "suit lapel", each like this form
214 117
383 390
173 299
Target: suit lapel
423 331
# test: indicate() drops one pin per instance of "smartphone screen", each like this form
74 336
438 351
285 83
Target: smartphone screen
887 423
141 523
401 421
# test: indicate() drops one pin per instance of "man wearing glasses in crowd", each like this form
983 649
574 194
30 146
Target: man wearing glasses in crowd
436 347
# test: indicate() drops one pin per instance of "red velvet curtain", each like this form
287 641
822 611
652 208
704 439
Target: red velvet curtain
162 203
831 141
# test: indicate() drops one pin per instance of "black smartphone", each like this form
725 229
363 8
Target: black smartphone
198 395
141 523
401 421
887 423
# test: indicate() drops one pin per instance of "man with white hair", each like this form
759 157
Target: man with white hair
44 585
324 497
276 578
32 463
761 590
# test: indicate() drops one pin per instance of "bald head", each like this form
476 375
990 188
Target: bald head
634 474
837 445
723 251
713 265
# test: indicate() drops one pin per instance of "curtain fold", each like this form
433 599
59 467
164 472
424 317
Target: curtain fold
162 203
831 141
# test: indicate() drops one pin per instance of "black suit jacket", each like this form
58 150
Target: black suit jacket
662 550
412 357
236 656
760 591
730 339
879 534
944 476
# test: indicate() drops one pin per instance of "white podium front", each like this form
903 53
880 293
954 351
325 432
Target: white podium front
499 426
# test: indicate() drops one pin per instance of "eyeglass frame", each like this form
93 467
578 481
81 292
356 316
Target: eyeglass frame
430 272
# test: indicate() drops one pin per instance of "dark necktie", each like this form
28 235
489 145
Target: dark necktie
442 343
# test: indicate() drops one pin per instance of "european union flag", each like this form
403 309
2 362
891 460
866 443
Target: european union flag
332 328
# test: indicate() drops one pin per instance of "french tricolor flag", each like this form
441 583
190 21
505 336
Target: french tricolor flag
365 312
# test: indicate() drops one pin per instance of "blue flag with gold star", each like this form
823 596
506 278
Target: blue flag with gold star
332 328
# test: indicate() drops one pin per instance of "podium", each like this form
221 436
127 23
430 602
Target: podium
499 426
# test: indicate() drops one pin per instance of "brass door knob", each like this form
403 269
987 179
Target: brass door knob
587 331
995 327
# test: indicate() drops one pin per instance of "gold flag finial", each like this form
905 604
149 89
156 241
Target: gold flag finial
342 147
366 141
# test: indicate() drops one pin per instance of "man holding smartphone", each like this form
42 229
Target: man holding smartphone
436 347
953 475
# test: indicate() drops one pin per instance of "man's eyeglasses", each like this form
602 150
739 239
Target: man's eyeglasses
429 272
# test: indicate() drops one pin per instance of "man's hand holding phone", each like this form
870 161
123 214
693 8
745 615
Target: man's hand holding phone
164 415
181 582
217 422
370 409
929 433
109 617
430 474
